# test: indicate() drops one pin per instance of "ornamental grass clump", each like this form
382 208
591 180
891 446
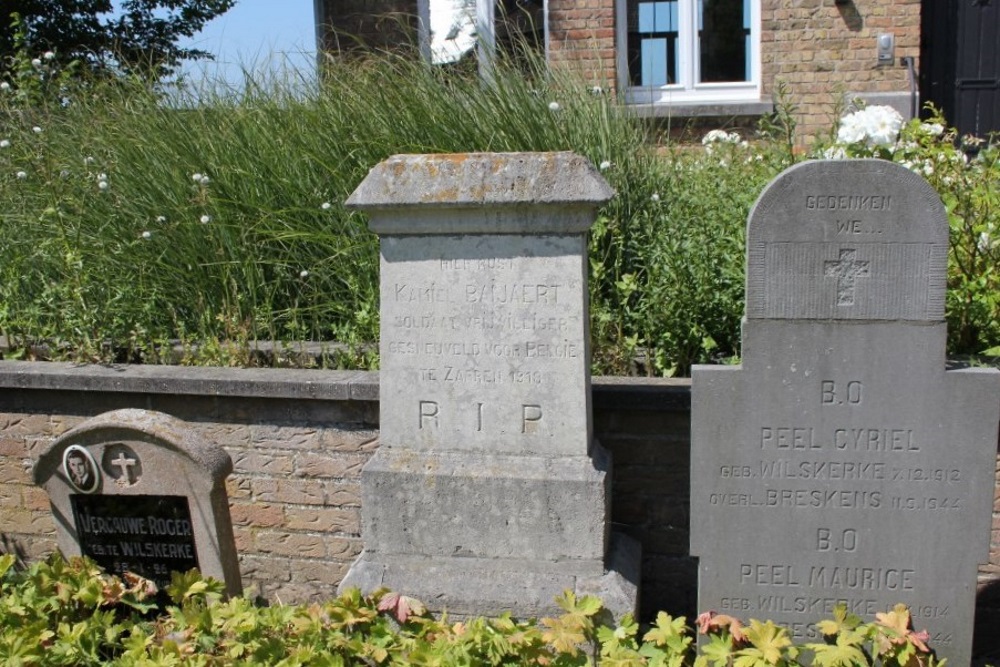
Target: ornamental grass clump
139 220
140 216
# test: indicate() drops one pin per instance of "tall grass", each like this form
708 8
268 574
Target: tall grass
129 219
215 217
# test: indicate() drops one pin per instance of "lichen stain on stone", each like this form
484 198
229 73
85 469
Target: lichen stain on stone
444 195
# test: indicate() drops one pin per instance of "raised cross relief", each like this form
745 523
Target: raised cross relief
126 466
847 269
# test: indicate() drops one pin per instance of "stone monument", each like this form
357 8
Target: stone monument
841 461
488 491
136 492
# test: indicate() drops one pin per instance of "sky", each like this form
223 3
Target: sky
256 34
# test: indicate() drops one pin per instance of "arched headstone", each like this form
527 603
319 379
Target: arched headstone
841 461
136 491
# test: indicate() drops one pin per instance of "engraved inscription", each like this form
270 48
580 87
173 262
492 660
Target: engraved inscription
843 439
484 264
498 293
822 470
531 415
847 269
432 293
428 413
525 350
801 499
848 202
828 539
827 470
818 577
850 394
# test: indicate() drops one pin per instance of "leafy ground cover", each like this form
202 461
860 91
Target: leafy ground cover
134 220
60 612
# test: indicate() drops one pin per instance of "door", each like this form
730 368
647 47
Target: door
960 62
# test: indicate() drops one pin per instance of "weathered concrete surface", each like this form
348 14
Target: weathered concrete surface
841 462
488 479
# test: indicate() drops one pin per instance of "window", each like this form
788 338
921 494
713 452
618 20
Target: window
689 50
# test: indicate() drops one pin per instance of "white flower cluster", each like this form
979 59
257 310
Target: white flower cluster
721 137
988 240
835 153
714 137
933 129
874 125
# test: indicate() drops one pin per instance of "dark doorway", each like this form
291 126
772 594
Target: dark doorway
960 62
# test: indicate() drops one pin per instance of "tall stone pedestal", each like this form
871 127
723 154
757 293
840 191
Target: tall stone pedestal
488 492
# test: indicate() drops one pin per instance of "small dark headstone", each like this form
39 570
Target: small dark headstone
841 462
134 491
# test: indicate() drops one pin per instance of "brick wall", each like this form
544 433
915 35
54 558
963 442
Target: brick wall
821 51
298 440
818 49
582 36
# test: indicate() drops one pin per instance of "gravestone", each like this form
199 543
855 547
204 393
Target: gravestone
488 491
136 492
841 461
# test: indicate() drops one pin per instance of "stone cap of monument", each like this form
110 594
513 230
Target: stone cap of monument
133 424
398 191
873 221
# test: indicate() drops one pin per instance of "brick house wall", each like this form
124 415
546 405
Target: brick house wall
820 50
582 36
823 51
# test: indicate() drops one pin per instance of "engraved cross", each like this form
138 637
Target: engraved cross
125 464
846 270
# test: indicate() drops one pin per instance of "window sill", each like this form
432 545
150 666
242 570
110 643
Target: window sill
701 109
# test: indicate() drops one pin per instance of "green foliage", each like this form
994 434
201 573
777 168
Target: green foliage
141 38
205 220
62 612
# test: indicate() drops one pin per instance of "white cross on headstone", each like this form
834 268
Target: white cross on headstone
846 270
125 464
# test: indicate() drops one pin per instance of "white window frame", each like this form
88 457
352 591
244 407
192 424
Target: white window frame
688 90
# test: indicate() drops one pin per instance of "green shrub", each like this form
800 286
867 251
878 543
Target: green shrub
61 612
134 217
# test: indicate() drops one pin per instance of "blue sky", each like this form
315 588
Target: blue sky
261 33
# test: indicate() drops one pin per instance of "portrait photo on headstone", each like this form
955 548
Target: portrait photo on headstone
80 469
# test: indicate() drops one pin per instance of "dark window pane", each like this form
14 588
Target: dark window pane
652 42
520 25
723 40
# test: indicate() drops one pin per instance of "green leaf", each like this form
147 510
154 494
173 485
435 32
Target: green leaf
666 629
768 643
837 655
842 621
718 650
